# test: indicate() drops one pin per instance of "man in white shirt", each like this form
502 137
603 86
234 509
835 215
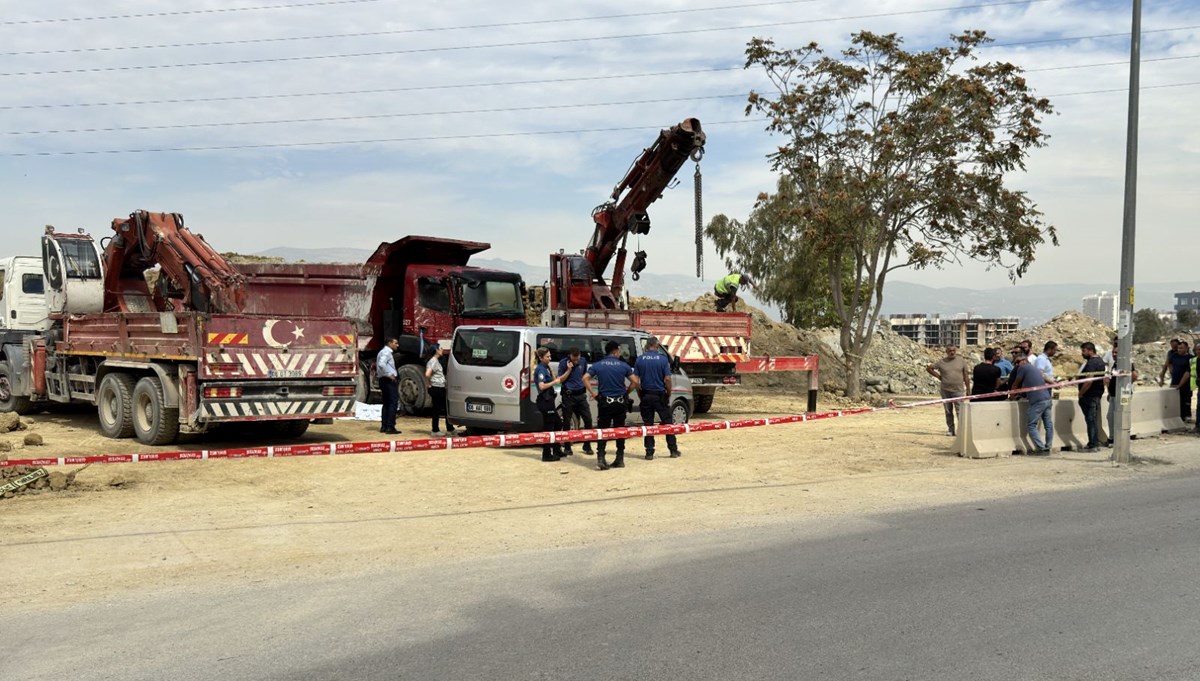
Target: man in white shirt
1042 361
385 371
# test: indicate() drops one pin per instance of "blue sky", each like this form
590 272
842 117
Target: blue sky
484 177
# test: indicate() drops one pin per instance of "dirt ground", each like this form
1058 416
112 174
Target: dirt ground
174 525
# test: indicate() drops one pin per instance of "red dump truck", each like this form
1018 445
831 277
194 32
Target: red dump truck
150 330
417 289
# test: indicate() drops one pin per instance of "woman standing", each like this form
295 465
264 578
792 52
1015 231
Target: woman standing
435 381
543 377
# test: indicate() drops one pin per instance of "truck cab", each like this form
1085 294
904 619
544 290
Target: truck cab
23 296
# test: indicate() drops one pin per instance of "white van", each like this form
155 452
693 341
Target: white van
488 379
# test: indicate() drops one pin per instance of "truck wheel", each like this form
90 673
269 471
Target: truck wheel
362 386
8 401
293 429
114 405
679 411
153 422
413 395
703 402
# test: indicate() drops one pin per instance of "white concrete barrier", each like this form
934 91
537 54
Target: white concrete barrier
990 429
1155 411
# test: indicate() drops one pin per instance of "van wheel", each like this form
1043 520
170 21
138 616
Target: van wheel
153 422
413 395
679 411
114 405
8 401
703 402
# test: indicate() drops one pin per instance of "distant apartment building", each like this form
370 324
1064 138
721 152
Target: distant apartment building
960 329
1187 301
1102 307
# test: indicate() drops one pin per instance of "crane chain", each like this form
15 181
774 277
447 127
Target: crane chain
697 183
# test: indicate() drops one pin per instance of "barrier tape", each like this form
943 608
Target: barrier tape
499 440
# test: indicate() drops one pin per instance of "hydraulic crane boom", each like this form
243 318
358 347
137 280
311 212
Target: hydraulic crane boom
578 280
191 274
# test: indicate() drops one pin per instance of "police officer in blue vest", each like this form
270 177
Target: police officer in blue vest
612 396
653 369
575 396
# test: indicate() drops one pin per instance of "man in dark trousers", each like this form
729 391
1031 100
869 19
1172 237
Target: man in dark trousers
653 369
1181 377
1090 395
612 397
575 396
385 371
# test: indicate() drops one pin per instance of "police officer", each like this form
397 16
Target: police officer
612 397
545 379
575 396
653 369
727 286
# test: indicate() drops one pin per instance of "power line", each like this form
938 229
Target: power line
327 119
436 138
528 43
543 81
404 31
339 93
185 12
547 107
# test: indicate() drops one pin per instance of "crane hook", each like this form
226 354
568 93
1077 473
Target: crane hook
639 264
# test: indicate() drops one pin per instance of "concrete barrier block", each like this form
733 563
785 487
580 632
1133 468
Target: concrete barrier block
1155 411
1070 430
990 429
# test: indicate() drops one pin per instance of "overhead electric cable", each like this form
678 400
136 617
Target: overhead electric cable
435 138
528 43
542 81
182 12
404 31
327 119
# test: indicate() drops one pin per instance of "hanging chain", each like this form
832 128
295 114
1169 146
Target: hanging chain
697 182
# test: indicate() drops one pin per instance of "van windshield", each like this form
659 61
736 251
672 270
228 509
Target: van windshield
485 347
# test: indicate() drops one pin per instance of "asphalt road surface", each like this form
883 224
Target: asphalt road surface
1094 584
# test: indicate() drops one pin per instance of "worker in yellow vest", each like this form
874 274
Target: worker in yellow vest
726 289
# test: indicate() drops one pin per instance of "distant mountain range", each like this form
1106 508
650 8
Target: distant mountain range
1033 304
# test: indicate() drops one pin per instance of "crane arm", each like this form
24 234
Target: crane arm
644 183
192 275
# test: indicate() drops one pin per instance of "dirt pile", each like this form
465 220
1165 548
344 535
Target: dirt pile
16 480
893 364
242 259
1068 329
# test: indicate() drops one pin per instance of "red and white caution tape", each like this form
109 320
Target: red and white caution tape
474 441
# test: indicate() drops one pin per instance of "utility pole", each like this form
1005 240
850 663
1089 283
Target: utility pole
1124 391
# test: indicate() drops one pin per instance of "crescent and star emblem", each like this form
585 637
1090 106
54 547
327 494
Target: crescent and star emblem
270 334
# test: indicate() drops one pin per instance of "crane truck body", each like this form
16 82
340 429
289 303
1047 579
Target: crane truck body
150 331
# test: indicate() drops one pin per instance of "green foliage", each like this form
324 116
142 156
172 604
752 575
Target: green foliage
893 159
1187 320
793 274
1148 326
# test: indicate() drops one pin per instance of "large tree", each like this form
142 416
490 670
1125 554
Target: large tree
896 159
792 274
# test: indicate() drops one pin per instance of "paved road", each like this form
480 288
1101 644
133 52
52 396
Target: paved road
1095 584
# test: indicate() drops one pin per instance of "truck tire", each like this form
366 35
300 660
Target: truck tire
8 401
362 385
679 411
413 395
703 402
153 422
114 405
293 429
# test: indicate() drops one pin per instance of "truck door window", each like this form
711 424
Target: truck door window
1 284
32 283
433 295
80 259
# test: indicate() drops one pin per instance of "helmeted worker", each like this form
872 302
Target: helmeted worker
727 286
